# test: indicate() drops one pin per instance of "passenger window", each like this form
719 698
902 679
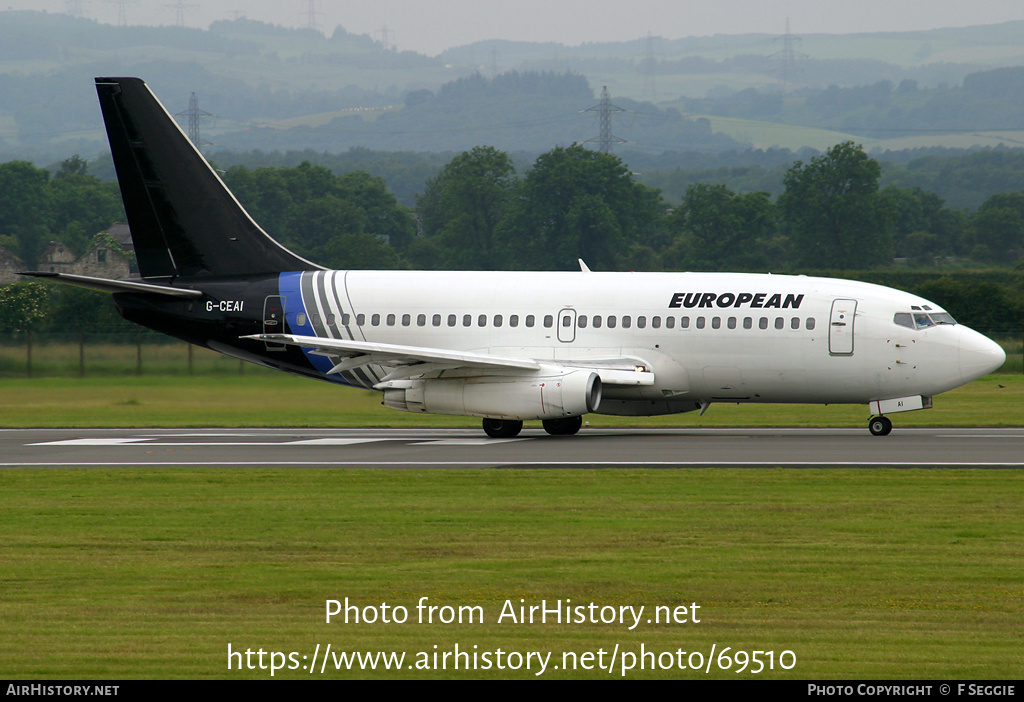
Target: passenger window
762 323
421 320
700 322
346 319
406 320
391 320
452 320
732 322
684 322
467 320
530 320
497 320
795 323
582 322
375 320
481 321
810 323
513 320
566 321
360 320
716 323
656 322
627 321
549 321
748 323
436 320
597 321
641 322
670 322
611 321
780 323
300 319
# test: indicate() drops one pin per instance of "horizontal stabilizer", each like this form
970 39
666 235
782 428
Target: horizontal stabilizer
114 286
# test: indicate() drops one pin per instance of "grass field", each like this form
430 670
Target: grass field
152 574
271 399
861 574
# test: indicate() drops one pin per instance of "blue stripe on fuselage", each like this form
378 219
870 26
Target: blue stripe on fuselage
290 287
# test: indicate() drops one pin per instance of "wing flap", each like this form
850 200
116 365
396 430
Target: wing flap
412 361
365 352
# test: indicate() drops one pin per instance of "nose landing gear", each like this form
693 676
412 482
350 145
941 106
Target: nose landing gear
880 426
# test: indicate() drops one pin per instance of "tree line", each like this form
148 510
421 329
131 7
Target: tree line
478 212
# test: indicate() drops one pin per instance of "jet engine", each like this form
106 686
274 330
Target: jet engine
549 397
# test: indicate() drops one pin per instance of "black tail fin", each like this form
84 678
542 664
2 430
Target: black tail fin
184 221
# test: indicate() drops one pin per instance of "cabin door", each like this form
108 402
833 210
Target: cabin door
840 328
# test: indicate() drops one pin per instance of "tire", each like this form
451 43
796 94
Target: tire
502 428
566 426
880 426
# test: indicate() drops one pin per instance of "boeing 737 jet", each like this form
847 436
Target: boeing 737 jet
508 347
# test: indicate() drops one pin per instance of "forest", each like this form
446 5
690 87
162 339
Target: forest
832 217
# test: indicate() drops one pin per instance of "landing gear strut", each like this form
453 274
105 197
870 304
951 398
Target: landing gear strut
502 428
880 426
566 426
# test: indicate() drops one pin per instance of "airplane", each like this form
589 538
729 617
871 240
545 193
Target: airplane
508 347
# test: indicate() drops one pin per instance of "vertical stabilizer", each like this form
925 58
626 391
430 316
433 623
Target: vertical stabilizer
184 221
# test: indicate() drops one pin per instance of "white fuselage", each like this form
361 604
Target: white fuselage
707 337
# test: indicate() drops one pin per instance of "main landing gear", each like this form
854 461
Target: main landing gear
502 428
880 426
509 428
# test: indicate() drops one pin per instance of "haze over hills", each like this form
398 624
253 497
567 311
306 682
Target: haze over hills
275 88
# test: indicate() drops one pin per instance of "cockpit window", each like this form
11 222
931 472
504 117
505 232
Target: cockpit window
904 319
920 320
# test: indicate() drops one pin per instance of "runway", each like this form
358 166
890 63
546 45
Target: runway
466 448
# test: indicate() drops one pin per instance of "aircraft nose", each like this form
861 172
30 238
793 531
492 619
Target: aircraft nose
979 355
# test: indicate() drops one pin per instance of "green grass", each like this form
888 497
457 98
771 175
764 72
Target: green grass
134 574
863 574
270 399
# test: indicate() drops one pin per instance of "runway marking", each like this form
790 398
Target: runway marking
90 442
979 436
527 464
155 441
326 442
466 442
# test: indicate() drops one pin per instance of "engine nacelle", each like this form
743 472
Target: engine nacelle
549 397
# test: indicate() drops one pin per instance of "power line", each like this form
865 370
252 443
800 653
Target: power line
194 115
605 110
789 57
122 16
180 6
311 14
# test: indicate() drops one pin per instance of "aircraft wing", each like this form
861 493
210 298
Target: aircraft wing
410 361
362 353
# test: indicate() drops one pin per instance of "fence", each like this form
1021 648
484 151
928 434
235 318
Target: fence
101 353
106 354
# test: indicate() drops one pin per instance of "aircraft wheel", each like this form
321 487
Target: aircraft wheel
502 428
880 426
566 426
